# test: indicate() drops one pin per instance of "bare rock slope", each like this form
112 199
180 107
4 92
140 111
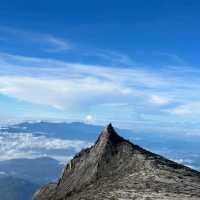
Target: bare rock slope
116 169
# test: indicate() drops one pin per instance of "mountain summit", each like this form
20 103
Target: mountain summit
114 168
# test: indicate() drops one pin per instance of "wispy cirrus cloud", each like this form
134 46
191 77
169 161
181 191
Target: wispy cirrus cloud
138 94
60 93
110 56
41 41
61 84
56 44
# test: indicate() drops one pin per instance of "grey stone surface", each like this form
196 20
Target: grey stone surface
116 169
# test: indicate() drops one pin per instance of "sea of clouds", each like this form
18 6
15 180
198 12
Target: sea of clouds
28 145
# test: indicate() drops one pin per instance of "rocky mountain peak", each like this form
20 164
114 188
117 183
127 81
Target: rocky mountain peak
110 136
114 168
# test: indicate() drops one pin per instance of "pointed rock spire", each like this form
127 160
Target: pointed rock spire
109 135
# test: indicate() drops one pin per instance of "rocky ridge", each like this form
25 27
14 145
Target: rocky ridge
116 169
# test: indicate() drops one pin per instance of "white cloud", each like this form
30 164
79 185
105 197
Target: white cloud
159 100
63 85
137 94
32 66
186 109
89 119
19 145
59 93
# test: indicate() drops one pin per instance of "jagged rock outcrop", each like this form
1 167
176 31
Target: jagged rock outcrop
114 168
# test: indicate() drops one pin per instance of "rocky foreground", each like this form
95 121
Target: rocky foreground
116 169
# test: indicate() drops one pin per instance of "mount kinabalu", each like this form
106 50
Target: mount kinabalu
114 168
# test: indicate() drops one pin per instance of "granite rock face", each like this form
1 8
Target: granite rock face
116 169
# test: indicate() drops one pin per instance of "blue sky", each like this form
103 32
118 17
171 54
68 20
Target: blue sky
134 63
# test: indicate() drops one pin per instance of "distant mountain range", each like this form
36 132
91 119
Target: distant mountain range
20 178
12 188
33 170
